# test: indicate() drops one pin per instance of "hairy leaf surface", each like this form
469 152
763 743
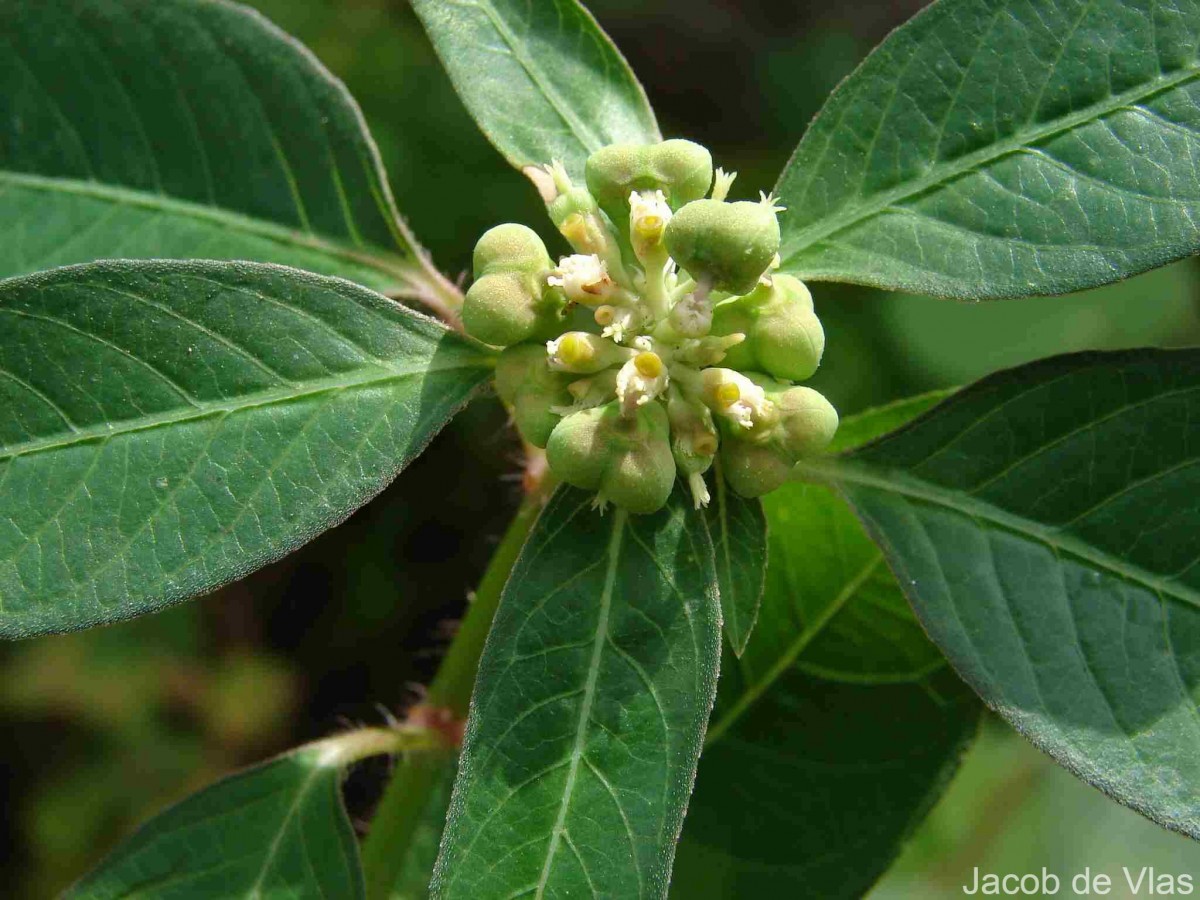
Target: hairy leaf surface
589 709
739 534
541 78
275 830
167 427
1044 524
187 130
992 148
840 724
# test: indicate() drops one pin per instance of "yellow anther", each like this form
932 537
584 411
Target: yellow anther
648 364
727 394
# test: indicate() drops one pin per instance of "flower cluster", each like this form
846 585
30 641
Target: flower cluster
666 341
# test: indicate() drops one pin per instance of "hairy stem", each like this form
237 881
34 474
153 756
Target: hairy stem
408 792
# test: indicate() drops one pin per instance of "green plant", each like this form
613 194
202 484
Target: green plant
174 417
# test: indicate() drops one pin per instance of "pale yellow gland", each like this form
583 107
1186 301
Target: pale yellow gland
574 229
704 444
605 315
651 227
575 351
649 364
727 394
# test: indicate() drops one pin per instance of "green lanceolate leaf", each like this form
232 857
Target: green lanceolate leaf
739 534
167 427
837 728
589 709
186 129
995 149
1043 524
276 830
541 78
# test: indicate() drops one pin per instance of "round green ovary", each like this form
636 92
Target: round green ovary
729 244
784 337
510 300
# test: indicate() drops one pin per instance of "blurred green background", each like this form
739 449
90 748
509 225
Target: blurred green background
106 726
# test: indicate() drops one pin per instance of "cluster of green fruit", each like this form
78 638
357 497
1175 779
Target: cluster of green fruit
664 340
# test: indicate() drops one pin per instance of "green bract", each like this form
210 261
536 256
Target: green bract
682 303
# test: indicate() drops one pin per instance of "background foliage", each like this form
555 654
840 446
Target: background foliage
139 714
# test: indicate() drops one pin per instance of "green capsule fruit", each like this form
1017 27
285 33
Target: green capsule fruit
729 244
682 170
510 300
752 470
784 337
510 248
526 383
802 423
807 421
626 460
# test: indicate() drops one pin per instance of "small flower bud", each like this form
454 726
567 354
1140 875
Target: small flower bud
510 300
641 380
618 321
648 218
627 460
549 180
584 279
692 315
583 353
578 219
784 338
595 390
707 351
680 169
730 244
525 382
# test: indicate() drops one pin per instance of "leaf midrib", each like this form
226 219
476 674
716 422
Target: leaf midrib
562 108
620 517
402 269
204 410
841 472
941 173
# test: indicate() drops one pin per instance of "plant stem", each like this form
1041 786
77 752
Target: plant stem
408 792
352 746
